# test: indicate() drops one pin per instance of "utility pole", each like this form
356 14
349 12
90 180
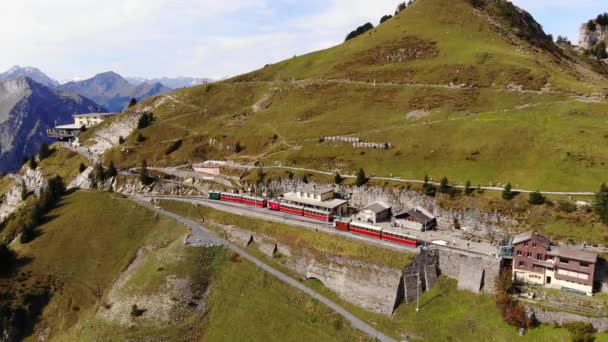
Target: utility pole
418 292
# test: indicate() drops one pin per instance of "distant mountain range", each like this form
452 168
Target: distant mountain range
171 82
30 72
112 91
108 89
27 109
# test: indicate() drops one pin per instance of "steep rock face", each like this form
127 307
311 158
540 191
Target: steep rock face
113 91
588 39
27 109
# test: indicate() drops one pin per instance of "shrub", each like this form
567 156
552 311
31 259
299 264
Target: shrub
44 152
566 206
467 188
144 176
173 147
602 19
82 167
111 172
536 198
507 193
28 233
7 258
591 26
361 178
33 163
121 140
140 138
599 51
338 178
444 186
133 102
238 148
581 331
385 18
359 31
136 312
563 40
601 203
145 120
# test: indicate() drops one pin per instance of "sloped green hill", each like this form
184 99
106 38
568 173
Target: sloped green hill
471 93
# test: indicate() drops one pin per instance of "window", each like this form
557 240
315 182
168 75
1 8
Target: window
534 245
519 252
522 264
564 260
529 254
526 243
584 264
539 256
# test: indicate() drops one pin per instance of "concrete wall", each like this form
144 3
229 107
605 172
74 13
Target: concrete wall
451 264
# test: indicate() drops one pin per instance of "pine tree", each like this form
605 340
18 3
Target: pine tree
601 203
444 186
144 176
111 172
507 194
338 178
33 163
467 188
536 198
44 152
133 102
82 167
361 178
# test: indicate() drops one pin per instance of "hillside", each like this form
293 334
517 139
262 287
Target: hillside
479 94
139 258
27 109
112 91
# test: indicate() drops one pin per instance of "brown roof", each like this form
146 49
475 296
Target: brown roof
531 235
575 254
418 214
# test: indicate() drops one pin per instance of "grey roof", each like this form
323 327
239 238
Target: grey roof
377 207
317 190
417 213
575 254
531 235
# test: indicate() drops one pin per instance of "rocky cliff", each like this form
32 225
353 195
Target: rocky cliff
27 109
588 39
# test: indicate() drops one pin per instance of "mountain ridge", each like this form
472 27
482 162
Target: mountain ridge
30 72
113 91
27 109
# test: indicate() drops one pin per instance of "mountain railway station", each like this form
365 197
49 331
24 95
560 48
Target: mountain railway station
71 131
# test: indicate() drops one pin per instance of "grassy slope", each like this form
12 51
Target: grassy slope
6 184
486 135
64 163
82 255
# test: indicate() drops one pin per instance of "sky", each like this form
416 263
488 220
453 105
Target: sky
70 39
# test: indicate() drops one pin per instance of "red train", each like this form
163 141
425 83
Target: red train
261 202
366 229
354 227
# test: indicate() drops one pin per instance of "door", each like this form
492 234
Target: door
548 280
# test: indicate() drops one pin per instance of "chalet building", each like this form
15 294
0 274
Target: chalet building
537 261
71 131
317 198
374 213
417 219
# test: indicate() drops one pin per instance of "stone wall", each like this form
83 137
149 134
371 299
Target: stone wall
451 265
555 317
372 287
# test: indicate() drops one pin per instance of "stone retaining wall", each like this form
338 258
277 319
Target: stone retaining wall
555 317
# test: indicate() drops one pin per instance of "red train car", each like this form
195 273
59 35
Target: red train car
292 209
255 201
274 205
318 214
341 225
365 229
230 197
400 238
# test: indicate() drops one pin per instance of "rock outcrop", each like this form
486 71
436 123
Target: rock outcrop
588 39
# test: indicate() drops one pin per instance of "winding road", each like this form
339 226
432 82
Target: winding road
210 238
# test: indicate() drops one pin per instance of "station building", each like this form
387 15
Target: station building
317 198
